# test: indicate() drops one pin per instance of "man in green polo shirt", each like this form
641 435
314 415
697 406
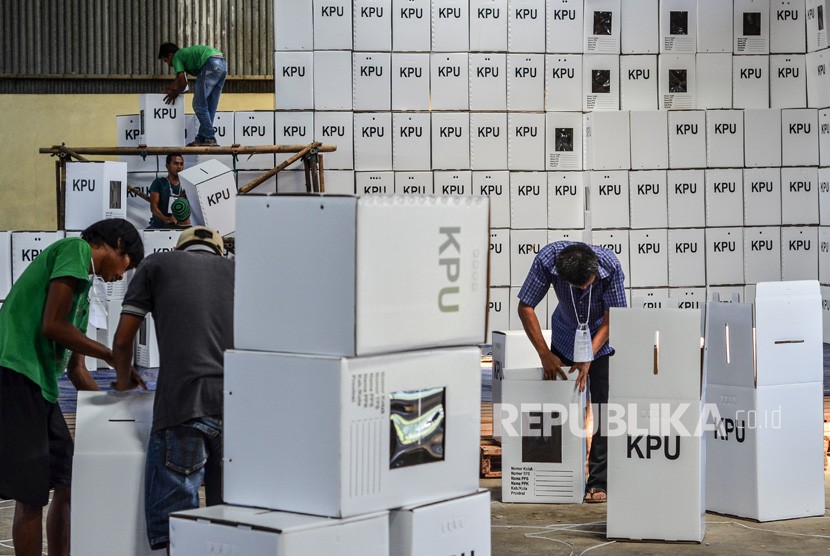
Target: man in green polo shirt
210 69
43 325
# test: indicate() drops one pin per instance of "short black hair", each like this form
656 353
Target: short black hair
171 156
167 48
110 231
576 264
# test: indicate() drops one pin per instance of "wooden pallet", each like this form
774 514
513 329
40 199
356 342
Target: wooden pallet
70 422
490 459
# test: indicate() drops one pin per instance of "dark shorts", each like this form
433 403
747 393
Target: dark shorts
35 445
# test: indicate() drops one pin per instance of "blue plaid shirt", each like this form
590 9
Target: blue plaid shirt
606 291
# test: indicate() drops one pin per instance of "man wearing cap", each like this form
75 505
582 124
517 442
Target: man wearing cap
189 291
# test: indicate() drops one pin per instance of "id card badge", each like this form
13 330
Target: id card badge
583 350
170 200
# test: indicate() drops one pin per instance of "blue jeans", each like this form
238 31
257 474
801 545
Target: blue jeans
178 459
206 95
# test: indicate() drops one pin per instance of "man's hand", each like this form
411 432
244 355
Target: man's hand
582 377
553 367
79 375
134 381
170 94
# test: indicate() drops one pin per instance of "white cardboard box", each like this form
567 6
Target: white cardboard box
413 183
762 197
799 137
364 455
824 137
528 200
332 25
649 207
456 526
488 140
724 138
747 475
714 26
799 196
243 178
724 256
488 25
649 139
450 141
526 25
649 258
336 128
762 254
161 124
608 199
657 362
524 246
563 82
688 298
751 27
138 209
750 82
687 139
788 81
639 22
525 141
5 264
787 30
687 258
678 26
686 198
449 81
223 129
453 183
257 531
410 81
824 196
26 246
372 84
362 234
616 241
638 81
496 186
498 311
488 81
799 253
714 79
566 200
512 352
499 257
818 79
762 133
111 435
650 298
294 80
600 82
128 128
146 344
678 82
601 34
372 25
564 26
293 25
526 82
824 255
211 190
816 25
607 141
333 76
450 26
411 141
411 25
292 128
543 439
563 143
374 183
725 197
255 129
373 141
95 191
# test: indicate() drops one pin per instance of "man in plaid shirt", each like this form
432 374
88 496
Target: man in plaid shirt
588 280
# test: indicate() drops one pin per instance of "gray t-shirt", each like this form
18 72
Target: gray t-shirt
190 294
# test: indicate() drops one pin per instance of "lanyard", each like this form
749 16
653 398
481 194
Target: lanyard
587 316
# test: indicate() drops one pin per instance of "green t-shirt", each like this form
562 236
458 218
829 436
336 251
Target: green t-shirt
23 348
191 58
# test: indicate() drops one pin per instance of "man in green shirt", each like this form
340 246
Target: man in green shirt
210 69
43 325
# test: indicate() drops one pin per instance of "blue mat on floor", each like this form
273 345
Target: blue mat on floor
68 396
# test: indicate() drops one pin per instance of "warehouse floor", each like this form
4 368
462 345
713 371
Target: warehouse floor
572 529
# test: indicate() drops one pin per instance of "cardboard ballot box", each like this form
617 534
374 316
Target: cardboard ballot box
26 246
160 124
111 435
456 526
364 434
211 191
360 276
235 530
5 264
764 457
543 439
95 191
654 442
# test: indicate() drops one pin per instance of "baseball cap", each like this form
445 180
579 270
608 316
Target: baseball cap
201 236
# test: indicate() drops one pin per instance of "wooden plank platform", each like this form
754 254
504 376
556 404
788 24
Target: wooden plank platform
490 459
70 422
